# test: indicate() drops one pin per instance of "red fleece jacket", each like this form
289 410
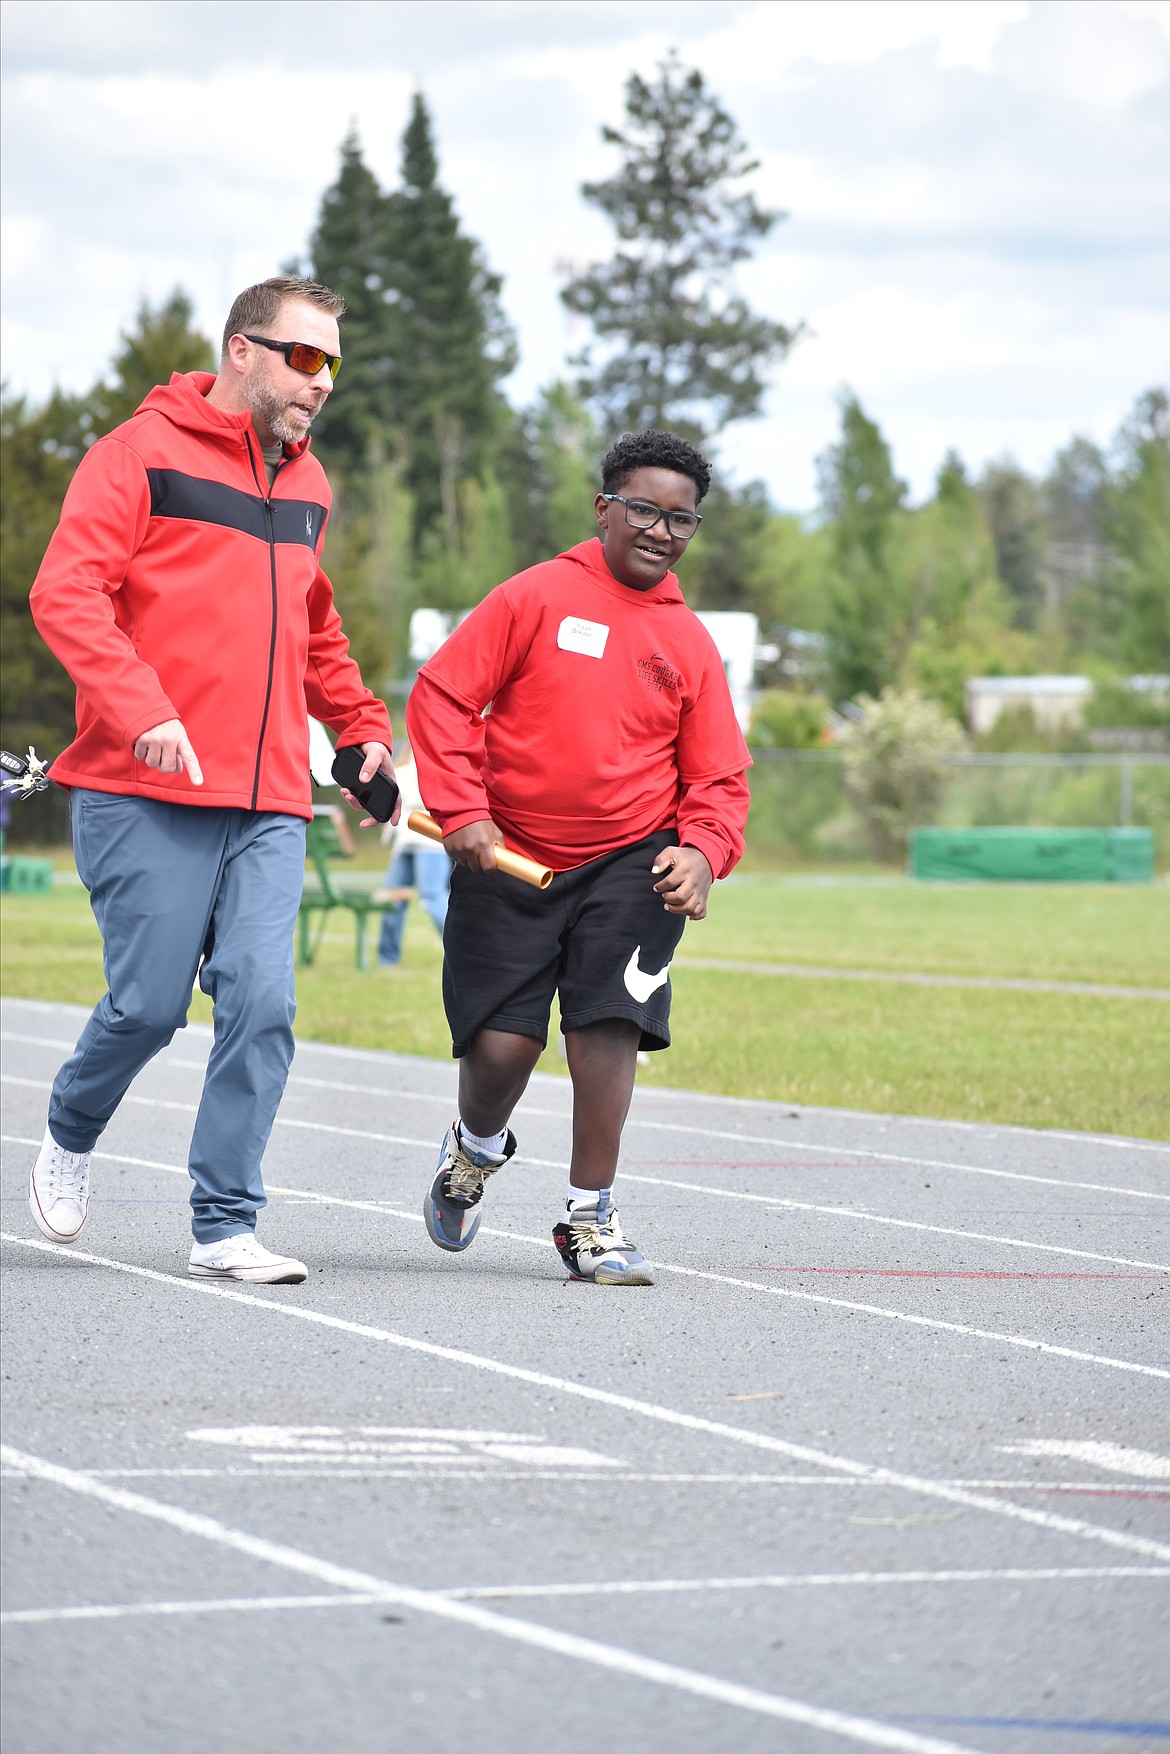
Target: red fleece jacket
610 718
179 585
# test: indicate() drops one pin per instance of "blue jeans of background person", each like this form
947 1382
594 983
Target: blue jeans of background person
430 873
179 890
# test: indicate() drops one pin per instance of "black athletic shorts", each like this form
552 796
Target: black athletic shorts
597 936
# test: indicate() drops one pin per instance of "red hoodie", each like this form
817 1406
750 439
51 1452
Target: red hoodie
610 718
178 585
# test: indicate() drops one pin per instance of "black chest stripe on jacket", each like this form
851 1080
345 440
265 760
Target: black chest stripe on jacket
175 495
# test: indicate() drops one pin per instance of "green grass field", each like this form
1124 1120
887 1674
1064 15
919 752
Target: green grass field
1081 1061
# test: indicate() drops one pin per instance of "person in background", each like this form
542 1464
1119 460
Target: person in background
415 862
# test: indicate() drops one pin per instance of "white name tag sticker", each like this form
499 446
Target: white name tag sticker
587 637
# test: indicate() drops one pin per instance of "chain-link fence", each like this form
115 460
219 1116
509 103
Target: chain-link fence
801 808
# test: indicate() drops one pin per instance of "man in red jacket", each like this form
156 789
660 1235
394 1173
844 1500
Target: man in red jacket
183 592
612 753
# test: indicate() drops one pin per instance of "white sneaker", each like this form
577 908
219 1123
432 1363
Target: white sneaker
242 1257
58 1190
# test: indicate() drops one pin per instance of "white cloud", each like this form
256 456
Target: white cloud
978 189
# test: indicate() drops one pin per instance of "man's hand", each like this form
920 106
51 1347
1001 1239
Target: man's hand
686 883
377 757
166 747
474 845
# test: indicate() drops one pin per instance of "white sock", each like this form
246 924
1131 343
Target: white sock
601 1198
494 1142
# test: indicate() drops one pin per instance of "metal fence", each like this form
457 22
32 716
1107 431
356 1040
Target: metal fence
801 808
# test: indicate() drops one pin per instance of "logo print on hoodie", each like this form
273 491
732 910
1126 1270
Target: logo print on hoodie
657 674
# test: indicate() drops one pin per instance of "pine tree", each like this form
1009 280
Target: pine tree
680 348
163 340
448 343
349 252
868 607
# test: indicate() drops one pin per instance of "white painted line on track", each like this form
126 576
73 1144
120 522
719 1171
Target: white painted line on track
867 1731
1119 1458
624 1476
777 1200
384 1210
1016 1242
626 1403
216 1605
665 1586
773 1141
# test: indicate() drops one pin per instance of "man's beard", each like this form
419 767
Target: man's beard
272 413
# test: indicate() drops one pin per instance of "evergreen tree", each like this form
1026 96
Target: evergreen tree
448 342
549 466
868 608
960 613
349 252
1136 518
680 348
1013 507
162 341
40 448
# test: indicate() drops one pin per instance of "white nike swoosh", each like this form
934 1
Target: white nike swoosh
639 984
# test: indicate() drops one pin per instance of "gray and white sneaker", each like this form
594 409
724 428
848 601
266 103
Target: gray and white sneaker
242 1257
590 1241
451 1208
58 1190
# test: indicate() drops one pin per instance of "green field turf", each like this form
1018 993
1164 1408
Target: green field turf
1081 1061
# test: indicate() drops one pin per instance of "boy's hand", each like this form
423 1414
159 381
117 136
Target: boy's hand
474 845
687 881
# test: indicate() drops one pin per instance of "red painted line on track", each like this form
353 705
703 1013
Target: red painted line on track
1085 1491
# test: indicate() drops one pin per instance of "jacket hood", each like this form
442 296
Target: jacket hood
184 402
591 555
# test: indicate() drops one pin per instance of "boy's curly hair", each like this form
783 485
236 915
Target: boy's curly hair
653 450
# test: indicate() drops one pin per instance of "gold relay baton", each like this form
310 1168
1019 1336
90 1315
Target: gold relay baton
515 864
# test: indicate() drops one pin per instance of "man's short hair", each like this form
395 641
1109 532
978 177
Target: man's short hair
654 450
258 307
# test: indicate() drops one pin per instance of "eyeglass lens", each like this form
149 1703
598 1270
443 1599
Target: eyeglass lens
642 514
304 358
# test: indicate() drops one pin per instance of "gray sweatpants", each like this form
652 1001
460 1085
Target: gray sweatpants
179 890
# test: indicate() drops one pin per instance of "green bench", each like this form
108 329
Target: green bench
358 893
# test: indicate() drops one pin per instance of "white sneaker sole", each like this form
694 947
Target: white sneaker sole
43 1225
286 1273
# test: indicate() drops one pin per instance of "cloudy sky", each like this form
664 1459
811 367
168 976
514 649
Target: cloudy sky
978 190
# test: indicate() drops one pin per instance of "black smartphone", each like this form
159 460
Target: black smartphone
377 796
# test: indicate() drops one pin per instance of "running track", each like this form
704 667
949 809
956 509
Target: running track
882 1461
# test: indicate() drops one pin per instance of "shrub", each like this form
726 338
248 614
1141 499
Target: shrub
783 719
892 765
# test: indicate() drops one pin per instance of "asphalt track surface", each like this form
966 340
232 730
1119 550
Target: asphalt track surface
883 1460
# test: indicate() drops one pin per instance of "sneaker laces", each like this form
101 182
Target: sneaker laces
465 1179
595 1233
66 1173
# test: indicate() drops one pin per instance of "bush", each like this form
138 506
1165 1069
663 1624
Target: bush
783 719
892 765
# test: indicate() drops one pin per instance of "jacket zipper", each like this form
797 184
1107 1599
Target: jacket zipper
271 523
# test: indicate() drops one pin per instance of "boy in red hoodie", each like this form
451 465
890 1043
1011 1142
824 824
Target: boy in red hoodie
611 752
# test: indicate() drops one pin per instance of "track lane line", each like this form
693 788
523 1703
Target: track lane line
384 1209
774 1200
663 1586
634 1120
867 1731
626 1403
